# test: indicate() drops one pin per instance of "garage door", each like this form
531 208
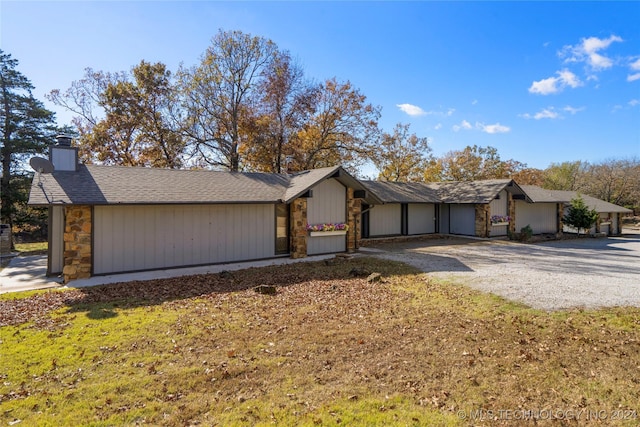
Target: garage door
462 219
542 217
133 238
385 220
421 218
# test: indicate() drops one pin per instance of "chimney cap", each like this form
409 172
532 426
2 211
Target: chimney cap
64 140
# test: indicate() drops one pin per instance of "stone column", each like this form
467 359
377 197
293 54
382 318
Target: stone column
483 219
560 208
598 220
298 228
77 243
354 207
511 211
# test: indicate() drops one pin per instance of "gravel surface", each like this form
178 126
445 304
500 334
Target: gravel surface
585 272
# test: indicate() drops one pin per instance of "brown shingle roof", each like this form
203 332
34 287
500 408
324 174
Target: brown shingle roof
100 185
542 195
403 192
97 185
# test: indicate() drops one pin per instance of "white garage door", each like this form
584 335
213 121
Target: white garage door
132 238
462 219
385 220
421 218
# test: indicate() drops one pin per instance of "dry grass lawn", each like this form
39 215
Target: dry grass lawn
327 349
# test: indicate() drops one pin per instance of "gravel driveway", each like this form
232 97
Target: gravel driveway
586 272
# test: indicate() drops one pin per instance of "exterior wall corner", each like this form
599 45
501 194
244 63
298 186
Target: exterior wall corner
78 238
483 219
354 208
298 228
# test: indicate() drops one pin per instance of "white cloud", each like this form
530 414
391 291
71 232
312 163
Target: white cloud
438 126
633 77
496 128
546 113
635 65
572 110
555 84
634 102
463 125
474 102
412 110
587 51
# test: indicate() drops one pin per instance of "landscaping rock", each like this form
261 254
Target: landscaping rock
374 278
359 272
224 274
265 289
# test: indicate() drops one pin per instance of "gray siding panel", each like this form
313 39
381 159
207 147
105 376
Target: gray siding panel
421 218
499 207
540 216
130 238
328 205
385 220
326 244
462 219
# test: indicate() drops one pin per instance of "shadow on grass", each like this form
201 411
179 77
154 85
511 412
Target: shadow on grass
100 302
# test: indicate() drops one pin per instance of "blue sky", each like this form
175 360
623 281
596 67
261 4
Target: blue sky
541 81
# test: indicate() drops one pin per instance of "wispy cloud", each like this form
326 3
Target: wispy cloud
555 84
463 125
438 126
495 128
546 113
588 51
552 113
412 110
635 67
474 102
573 110
634 102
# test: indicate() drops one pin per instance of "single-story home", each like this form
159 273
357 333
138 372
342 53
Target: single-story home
539 213
114 219
479 208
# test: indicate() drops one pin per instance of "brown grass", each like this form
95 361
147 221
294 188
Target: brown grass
328 348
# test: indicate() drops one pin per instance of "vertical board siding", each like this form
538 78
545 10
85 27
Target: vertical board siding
131 238
462 219
542 217
421 218
499 207
325 245
385 220
56 263
328 205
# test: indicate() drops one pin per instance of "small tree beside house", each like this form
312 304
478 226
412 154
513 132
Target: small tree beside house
579 215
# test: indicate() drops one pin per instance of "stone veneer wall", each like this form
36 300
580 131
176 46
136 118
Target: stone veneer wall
354 208
560 210
511 211
298 228
483 220
77 243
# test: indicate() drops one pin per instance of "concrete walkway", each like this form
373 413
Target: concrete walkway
25 273
29 273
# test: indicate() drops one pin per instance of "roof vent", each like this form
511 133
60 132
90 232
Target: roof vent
64 140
